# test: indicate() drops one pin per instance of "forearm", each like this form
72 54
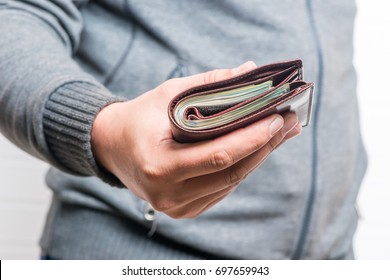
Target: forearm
47 102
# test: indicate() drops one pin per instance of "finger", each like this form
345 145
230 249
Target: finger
247 66
211 204
218 74
294 128
291 122
194 208
216 200
174 86
294 132
210 156
198 187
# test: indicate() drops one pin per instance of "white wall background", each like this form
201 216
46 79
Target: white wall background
372 44
24 199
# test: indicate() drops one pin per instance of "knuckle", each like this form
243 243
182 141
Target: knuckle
153 172
169 88
210 76
220 160
162 204
236 175
166 199
273 143
169 83
258 142
269 147
216 75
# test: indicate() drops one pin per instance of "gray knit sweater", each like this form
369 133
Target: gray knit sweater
62 61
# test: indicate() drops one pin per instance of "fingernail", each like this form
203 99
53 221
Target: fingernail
244 67
276 125
289 125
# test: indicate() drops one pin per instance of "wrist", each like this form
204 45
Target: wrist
105 132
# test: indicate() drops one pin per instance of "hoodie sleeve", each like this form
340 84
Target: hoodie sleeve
47 102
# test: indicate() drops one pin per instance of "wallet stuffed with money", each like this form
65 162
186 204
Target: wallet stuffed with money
211 110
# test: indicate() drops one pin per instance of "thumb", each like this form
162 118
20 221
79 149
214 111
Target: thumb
222 74
182 84
247 66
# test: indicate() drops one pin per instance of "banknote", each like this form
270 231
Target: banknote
207 111
211 110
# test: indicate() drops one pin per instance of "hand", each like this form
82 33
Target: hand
133 141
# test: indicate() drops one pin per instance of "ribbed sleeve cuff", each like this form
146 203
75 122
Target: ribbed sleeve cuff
67 121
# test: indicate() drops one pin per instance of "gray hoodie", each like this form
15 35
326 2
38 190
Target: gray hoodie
61 61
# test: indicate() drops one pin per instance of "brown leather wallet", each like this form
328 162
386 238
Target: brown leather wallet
211 110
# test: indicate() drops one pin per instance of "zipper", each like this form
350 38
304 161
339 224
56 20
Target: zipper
313 185
150 216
